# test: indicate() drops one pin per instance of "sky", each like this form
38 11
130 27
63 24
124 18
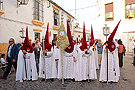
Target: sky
87 14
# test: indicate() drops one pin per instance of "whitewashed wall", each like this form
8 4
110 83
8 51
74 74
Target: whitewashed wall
15 18
126 25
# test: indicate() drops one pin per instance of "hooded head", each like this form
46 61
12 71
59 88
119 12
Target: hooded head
92 37
83 40
47 45
27 45
111 45
70 48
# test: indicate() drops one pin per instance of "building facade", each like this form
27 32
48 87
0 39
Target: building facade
78 33
110 12
36 14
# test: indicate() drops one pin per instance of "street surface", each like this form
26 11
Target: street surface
126 82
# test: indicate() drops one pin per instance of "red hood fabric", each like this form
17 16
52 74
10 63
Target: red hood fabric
84 43
70 40
27 45
110 39
46 42
92 37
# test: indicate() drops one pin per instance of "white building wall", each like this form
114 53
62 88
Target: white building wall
15 18
126 25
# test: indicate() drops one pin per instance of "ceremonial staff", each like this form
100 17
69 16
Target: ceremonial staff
46 46
44 59
106 32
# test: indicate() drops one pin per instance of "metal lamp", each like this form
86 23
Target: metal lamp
106 30
22 33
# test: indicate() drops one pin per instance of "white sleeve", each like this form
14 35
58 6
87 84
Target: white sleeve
50 53
116 44
75 53
90 50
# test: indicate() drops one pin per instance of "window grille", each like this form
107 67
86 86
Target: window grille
38 10
130 10
56 17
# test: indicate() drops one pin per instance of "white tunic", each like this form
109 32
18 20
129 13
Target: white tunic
92 66
69 64
86 65
47 65
117 59
77 64
96 57
113 66
57 55
31 65
20 73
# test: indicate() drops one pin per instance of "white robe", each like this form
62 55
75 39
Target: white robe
57 55
20 73
69 64
117 59
92 66
113 66
77 64
47 65
31 65
96 57
86 65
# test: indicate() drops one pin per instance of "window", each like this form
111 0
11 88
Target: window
38 10
37 35
1 4
109 12
130 11
70 23
56 17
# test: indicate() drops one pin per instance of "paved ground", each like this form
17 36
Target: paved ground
126 82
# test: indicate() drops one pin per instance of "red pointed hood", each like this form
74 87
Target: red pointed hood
110 39
27 45
70 40
92 37
84 43
46 42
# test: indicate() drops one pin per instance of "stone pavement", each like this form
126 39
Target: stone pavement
126 82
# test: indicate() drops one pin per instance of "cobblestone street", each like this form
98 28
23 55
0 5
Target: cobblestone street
126 82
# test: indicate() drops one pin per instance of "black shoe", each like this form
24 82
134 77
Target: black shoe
43 79
2 77
30 80
52 80
83 80
73 80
